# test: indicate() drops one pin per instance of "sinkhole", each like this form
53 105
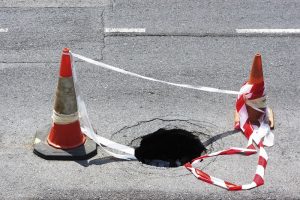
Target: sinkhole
169 148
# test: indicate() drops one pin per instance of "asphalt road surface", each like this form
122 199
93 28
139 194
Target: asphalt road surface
192 42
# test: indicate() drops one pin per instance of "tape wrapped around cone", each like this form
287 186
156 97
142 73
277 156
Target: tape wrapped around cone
258 99
63 139
65 132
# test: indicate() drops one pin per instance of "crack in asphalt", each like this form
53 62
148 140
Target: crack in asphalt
103 40
209 142
189 121
160 119
113 5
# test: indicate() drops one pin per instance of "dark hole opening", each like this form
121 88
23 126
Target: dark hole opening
169 148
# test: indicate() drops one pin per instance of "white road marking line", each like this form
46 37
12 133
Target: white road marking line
3 30
124 30
267 31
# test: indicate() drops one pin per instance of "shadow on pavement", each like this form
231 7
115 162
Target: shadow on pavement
99 161
219 136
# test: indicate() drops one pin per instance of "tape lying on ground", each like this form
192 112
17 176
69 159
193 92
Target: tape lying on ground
106 66
261 136
87 128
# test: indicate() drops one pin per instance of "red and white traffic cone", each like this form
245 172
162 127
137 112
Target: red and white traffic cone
257 80
63 139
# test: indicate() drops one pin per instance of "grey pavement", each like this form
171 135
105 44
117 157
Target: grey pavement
191 42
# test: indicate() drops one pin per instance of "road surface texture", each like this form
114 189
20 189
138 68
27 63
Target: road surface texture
192 42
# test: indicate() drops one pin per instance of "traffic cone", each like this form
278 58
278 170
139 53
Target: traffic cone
256 77
63 139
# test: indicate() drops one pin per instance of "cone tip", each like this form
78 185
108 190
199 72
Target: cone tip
256 74
66 50
65 65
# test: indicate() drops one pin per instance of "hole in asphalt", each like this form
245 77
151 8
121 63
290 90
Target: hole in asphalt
169 148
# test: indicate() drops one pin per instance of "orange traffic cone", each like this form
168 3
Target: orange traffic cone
64 140
256 77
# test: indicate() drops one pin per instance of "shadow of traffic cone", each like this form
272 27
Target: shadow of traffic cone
63 139
256 78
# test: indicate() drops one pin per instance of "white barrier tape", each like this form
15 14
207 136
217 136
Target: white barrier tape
64 119
87 128
106 66
258 103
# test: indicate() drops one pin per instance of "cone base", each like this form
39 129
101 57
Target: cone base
44 150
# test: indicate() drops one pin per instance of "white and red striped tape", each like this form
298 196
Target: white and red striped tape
261 136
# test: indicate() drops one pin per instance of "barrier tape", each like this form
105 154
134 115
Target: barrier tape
84 119
88 130
64 119
257 104
261 136
122 71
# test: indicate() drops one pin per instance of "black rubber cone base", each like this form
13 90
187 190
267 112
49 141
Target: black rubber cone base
44 150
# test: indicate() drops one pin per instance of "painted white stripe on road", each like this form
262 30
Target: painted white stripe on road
124 30
3 30
268 31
